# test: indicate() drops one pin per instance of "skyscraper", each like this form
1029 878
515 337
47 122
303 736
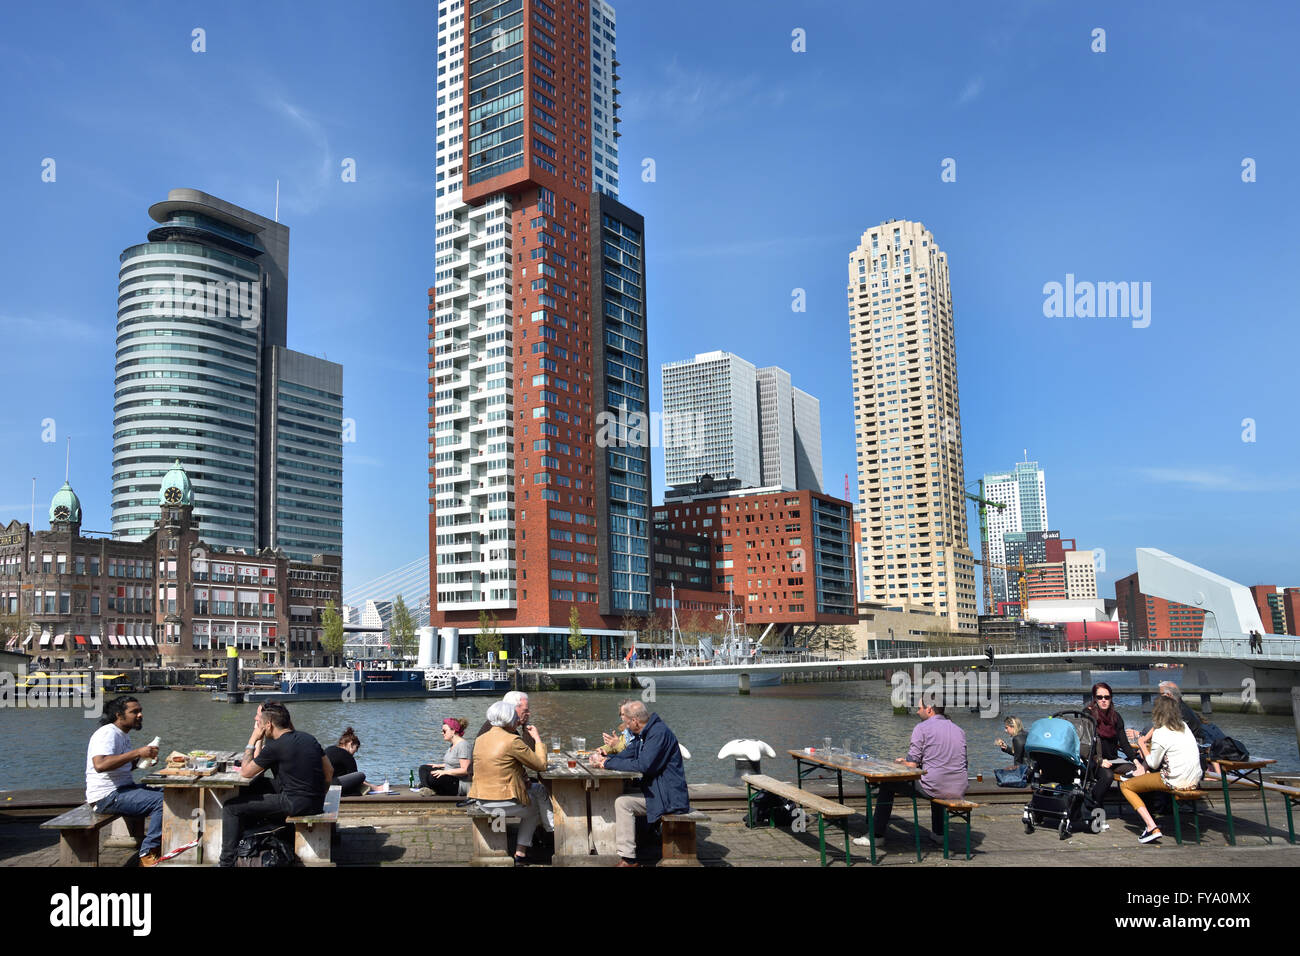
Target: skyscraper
908 425
744 426
537 327
1023 491
203 376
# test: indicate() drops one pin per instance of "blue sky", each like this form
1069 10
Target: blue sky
769 164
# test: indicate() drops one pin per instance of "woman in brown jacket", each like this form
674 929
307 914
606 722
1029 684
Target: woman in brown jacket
501 760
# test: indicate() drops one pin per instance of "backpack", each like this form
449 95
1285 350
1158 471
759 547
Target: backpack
769 808
1228 748
270 845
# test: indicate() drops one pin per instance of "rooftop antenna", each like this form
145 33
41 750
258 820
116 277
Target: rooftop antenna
277 200
67 461
33 524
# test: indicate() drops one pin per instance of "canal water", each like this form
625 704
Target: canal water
47 748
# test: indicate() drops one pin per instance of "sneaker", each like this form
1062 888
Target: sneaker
1150 836
149 859
862 841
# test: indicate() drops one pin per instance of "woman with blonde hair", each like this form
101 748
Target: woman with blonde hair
1169 747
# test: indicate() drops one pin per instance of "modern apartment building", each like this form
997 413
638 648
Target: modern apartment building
539 479
911 479
785 556
742 426
203 375
1153 618
1279 608
1023 492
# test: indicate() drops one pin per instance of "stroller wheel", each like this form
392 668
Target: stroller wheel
1064 829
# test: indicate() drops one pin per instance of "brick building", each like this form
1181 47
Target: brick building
1279 608
785 556
170 598
1153 618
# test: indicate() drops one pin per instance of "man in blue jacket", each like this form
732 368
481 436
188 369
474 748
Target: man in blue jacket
655 754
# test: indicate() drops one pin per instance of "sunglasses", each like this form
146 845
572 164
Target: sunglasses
1102 696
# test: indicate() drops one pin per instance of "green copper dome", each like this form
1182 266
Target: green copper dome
176 478
65 505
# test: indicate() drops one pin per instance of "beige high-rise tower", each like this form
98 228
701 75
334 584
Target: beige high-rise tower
911 483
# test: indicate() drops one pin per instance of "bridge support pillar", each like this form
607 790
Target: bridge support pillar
1295 712
1206 706
744 684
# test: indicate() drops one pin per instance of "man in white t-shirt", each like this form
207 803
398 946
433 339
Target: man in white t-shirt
110 759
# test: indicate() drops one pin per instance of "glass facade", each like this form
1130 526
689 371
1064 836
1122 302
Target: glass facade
496 82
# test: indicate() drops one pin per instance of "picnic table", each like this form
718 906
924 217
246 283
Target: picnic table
1250 772
184 795
584 810
873 771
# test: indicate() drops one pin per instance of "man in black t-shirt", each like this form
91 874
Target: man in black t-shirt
302 775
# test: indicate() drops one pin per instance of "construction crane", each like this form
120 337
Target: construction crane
1023 583
984 504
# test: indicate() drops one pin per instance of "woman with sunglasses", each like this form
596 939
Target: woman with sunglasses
1112 741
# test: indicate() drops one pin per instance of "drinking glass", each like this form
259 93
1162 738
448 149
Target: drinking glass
573 743
826 745
848 746
555 745
580 743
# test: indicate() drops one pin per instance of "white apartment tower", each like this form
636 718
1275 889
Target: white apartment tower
907 420
1023 491
711 405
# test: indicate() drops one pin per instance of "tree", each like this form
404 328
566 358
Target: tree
577 640
836 639
630 628
331 641
401 629
488 639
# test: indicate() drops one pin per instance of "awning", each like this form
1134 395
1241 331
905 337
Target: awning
149 641
58 641
112 640
80 639
27 640
11 642
133 640
94 640
45 640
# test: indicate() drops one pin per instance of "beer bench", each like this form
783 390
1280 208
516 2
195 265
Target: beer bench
491 846
819 805
313 835
961 809
679 838
79 834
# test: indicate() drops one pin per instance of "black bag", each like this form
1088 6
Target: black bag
1210 734
769 808
1229 749
270 845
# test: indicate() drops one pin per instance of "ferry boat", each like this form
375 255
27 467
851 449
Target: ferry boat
380 684
116 683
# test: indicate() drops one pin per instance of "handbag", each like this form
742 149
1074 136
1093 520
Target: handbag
1012 776
1229 748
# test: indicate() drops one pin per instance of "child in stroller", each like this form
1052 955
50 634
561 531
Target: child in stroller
1061 748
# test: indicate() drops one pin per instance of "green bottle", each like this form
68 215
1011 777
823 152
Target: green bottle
412 779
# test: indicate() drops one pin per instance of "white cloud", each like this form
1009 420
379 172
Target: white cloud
1217 479
973 88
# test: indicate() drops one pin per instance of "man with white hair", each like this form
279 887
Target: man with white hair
1168 688
655 754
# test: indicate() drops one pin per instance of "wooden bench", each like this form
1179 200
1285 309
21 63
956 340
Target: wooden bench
1289 788
79 834
491 844
819 805
1192 797
679 838
313 835
961 809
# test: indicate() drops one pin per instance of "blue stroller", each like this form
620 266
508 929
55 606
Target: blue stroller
1064 769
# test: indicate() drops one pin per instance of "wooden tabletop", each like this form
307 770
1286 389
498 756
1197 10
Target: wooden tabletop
231 778
1245 764
557 768
873 769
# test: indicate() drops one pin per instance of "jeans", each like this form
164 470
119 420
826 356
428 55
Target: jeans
138 801
626 809
353 784
249 809
528 817
885 806
444 786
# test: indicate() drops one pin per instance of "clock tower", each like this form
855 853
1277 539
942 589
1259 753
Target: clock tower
65 510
